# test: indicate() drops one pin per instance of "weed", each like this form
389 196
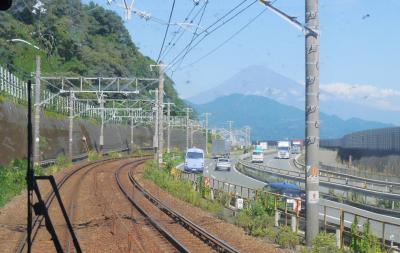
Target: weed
93 155
286 237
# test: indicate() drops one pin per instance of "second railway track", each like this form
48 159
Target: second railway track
183 234
111 212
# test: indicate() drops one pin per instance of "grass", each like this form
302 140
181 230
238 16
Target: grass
183 190
12 176
93 155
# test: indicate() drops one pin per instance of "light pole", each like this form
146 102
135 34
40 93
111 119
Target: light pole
36 135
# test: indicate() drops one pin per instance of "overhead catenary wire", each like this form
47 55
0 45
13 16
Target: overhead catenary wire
177 58
173 42
195 32
166 30
210 26
225 41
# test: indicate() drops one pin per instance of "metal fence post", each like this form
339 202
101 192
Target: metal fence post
341 228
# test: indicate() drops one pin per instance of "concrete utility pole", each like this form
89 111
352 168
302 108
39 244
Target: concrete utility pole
206 125
312 120
191 135
36 149
101 141
169 127
132 121
160 113
187 127
71 124
156 124
230 122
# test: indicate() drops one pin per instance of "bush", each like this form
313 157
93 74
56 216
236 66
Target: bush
325 243
93 156
364 242
178 188
114 155
63 161
13 179
286 237
255 219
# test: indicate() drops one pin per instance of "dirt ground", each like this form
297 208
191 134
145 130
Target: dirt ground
104 221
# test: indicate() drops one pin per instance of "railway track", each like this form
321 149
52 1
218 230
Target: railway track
181 233
110 222
37 222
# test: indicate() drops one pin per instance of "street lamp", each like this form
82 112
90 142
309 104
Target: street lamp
36 128
25 42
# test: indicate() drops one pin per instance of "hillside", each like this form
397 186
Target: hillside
76 39
259 81
272 120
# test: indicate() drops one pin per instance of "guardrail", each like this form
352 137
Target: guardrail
329 182
390 185
332 217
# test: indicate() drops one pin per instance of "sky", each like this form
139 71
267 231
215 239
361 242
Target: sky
360 45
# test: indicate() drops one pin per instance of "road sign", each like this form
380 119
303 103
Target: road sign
313 196
239 203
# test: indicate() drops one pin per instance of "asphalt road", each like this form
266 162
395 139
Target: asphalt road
332 208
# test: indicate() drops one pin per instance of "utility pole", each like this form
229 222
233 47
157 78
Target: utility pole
71 123
155 140
187 127
36 149
206 125
169 127
101 141
191 135
312 120
160 113
230 122
132 120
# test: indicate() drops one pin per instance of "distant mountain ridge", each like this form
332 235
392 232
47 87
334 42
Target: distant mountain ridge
262 81
272 120
256 80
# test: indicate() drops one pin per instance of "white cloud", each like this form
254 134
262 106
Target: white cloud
387 99
358 90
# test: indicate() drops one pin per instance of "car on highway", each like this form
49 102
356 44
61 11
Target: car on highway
194 160
257 156
223 164
288 192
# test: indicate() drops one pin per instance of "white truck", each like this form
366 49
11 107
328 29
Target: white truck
264 145
283 150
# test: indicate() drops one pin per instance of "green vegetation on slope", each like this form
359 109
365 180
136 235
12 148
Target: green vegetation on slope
13 176
76 39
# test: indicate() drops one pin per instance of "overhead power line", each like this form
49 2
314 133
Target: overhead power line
195 32
190 48
225 41
173 42
166 30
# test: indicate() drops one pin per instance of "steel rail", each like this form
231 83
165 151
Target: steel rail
49 199
213 241
179 246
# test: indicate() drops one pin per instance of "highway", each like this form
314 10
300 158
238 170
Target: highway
284 169
391 232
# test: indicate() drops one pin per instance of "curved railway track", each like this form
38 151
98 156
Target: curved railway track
123 218
183 234
38 220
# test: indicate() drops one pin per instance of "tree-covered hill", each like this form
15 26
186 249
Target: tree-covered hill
76 39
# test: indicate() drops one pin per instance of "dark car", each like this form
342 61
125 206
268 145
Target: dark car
288 191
